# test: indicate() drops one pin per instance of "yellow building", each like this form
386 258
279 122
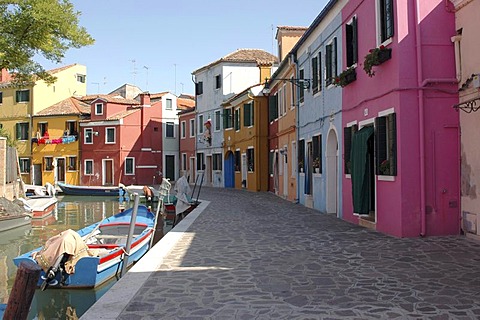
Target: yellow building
19 104
55 146
246 140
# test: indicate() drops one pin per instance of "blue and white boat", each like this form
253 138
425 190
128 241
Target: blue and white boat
97 254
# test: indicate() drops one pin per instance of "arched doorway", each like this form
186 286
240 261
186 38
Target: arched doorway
332 172
229 170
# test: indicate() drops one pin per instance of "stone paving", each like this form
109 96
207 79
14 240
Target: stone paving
256 256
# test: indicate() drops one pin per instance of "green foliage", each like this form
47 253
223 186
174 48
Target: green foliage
44 27
10 141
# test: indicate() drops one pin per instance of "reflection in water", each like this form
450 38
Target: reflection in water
71 212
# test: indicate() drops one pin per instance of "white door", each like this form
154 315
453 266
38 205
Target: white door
244 170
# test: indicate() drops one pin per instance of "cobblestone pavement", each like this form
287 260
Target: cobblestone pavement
256 256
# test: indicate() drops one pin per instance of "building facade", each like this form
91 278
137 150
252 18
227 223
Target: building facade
56 147
214 84
466 43
20 104
401 134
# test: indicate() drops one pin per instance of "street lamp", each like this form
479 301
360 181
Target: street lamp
301 83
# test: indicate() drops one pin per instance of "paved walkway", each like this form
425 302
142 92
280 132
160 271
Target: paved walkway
243 255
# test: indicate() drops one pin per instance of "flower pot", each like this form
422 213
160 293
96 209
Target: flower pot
317 170
350 77
384 55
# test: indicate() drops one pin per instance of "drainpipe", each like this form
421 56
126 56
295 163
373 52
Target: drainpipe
421 117
293 56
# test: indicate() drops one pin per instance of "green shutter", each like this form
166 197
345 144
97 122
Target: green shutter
252 113
360 171
272 108
246 115
392 124
354 41
380 142
334 58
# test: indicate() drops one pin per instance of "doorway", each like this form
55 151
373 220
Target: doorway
332 173
107 172
60 170
229 170
170 167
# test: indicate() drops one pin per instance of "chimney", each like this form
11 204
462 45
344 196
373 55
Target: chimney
145 98
4 76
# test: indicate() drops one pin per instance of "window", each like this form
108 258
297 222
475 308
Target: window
200 124
386 145
227 118
348 133
315 81
301 155
129 166
42 129
24 165
217 161
385 19
169 132
22 96
351 42
237 160
1 97
88 136
292 94
169 104
272 108
71 128
72 163
183 129
250 159
110 135
218 81
22 131
331 61
81 78
199 88
317 153
98 108
200 161
184 161
281 101
217 120
48 163
248 114
88 167
192 128
236 119
301 75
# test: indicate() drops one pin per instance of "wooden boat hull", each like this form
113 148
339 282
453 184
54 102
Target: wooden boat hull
69 189
41 207
90 271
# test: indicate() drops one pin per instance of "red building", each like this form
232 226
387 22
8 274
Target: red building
122 142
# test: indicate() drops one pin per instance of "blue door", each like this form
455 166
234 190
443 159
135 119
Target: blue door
229 170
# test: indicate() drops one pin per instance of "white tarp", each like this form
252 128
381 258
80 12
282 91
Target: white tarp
183 189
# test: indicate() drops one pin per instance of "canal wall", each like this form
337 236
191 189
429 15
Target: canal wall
10 185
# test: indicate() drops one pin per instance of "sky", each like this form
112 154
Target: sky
156 45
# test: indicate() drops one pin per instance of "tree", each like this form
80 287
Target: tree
37 27
4 133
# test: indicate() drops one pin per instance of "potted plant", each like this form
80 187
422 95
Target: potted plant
345 77
300 165
316 164
376 57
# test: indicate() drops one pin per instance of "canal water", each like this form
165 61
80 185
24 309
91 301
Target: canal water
71 212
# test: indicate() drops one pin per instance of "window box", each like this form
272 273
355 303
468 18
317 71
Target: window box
376 57
346 77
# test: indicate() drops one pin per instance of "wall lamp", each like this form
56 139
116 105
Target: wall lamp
301 83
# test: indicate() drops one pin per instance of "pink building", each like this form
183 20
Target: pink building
401 136
122 142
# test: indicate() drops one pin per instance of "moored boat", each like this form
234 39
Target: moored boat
40 207
70 189
89 257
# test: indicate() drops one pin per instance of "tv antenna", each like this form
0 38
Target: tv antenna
134 72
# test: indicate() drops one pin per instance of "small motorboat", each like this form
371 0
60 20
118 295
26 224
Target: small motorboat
39 207
69 189
89 257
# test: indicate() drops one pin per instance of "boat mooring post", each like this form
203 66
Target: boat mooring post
23 290
130 234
